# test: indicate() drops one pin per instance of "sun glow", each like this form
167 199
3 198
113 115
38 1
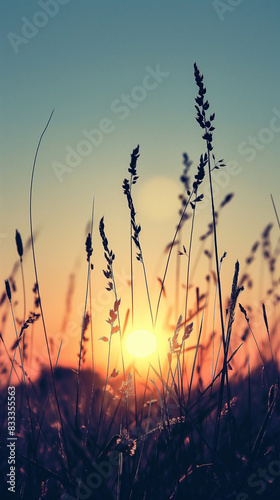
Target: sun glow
141 343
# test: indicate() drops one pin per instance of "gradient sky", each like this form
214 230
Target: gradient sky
81 62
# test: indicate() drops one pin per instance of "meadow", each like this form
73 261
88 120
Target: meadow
199 417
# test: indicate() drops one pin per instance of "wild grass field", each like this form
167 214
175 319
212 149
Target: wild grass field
197 419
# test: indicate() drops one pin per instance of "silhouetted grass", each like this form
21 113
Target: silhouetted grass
197 425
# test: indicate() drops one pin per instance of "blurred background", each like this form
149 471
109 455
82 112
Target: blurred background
119 74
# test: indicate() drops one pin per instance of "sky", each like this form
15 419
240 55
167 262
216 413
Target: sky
119 74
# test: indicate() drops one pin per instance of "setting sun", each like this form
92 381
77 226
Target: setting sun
141 343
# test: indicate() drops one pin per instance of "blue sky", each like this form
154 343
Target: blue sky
78 58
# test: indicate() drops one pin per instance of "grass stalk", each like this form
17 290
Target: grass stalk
64 444
89 251
169 256
275 211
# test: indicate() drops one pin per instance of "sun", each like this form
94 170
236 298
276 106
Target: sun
141 343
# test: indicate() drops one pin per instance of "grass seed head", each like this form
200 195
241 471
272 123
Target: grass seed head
19 244
8 290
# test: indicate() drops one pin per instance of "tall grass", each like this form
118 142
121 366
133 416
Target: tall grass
195 426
